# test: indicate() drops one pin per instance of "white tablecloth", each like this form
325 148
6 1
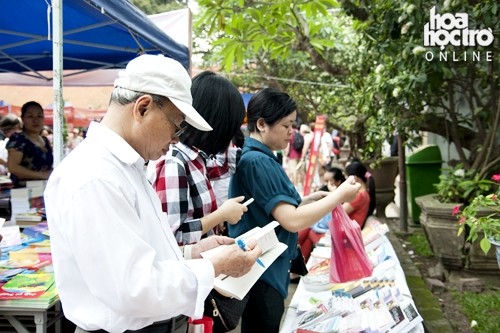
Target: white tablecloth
390 268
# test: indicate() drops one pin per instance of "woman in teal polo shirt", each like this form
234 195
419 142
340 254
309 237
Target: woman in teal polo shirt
259 175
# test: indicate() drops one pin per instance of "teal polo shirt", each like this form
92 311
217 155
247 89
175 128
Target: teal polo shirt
259 175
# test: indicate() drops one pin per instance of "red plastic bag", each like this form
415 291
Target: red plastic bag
348 259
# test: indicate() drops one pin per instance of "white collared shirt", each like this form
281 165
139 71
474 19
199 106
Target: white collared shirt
117 264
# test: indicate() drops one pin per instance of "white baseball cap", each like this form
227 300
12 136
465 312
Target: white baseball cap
159 75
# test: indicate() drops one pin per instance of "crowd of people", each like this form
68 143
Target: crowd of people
161 179
296 156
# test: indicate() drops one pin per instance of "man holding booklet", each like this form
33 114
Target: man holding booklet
117 264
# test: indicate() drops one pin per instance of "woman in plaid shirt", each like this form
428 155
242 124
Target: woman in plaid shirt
183 175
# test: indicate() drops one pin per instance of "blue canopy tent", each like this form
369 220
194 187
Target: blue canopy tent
78 35
96 34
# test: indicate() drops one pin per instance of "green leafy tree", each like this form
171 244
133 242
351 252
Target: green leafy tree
369 68
158 6
287 45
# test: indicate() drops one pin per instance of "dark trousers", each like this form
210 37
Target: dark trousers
174 325
264 310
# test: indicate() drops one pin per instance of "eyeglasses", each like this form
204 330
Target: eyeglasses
179 129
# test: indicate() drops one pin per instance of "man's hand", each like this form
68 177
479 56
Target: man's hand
209 243
234 261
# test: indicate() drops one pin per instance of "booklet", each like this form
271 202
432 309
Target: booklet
271 247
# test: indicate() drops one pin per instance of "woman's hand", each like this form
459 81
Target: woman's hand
348 189
314 197
232 210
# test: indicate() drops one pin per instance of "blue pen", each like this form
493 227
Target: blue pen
244 247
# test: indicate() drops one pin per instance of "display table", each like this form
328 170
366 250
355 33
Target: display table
390 269
24 318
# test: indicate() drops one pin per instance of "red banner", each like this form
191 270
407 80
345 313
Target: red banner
319 125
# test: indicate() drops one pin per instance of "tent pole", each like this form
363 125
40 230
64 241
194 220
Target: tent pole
57 67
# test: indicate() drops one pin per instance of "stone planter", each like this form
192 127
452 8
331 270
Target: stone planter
441 228
478 261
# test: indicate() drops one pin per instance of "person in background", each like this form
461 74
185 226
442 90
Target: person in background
9 125
293 155
47 132
332 178
394 144
221 186
363 204
30 153
183 175
325 151
309 237
259 175
337 143
116 262
308 139
73 140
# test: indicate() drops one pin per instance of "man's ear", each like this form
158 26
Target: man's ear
142 105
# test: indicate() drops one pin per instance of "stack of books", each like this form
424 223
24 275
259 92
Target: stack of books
27 203
31 217
33 289
26 277
5 183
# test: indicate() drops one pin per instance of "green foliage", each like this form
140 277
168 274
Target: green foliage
460 185
482 217
158 6
362 63
481 307
420 244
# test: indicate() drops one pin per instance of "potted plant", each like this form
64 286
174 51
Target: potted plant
481 217
456 185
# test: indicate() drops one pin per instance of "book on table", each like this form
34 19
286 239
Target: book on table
36 183
44 301
26 199
29 218
21 286
271 248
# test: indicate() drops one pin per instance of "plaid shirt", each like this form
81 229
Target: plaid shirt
182 183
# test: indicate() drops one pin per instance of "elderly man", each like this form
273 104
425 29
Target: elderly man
117 264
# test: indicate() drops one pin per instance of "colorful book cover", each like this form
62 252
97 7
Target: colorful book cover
29 251
29 263
7 273
27 286
43 302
